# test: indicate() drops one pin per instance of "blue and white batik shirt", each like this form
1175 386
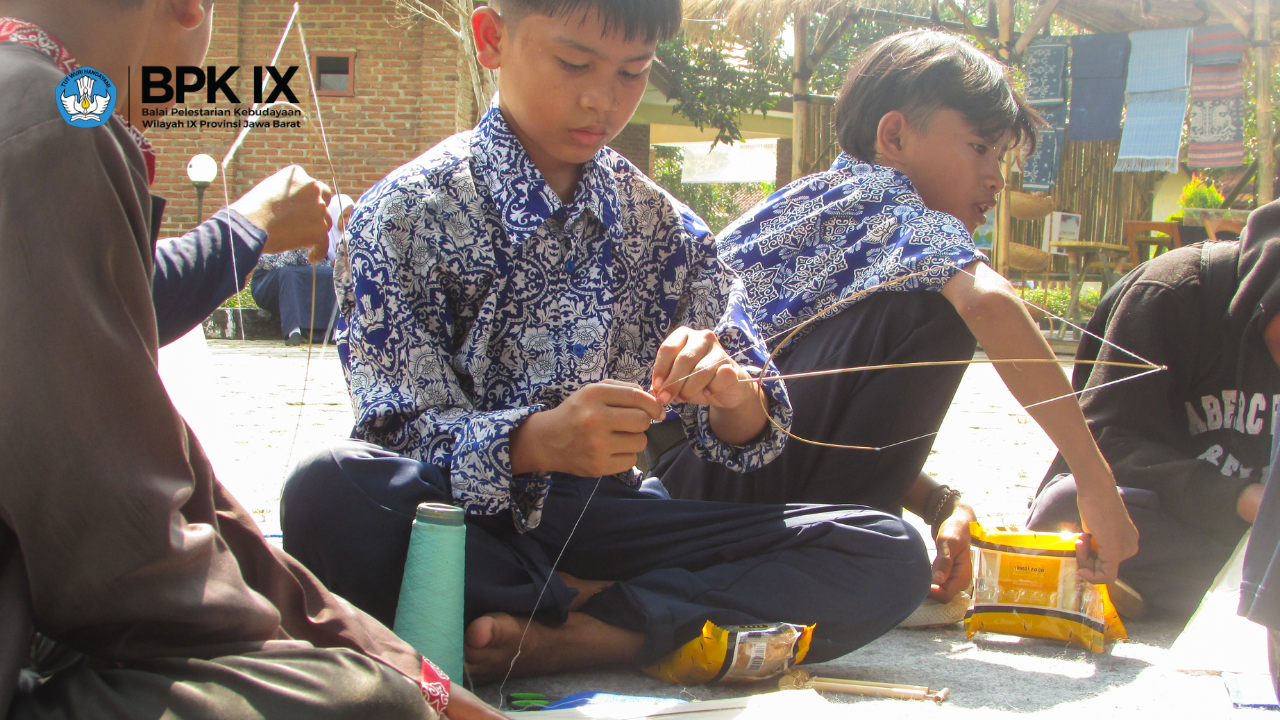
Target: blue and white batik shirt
830 235
472 297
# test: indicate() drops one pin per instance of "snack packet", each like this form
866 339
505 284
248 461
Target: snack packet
1025 583
736 653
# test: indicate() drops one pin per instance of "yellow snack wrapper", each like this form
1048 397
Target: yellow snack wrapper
736 653
1025 583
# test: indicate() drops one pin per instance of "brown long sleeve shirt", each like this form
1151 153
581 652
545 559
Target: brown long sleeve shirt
116 538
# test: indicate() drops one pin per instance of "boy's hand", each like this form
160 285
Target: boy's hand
292 208
598 430
953 568
1104 517
699 371
692 367
1250 500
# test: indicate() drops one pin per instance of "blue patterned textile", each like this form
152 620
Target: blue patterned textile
829 235
1040 169
472 298
1046 66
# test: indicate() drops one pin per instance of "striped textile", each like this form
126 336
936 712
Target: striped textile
1217 45
1217 97
1156 93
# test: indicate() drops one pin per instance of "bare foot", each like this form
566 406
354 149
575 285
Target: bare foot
585 588
492 642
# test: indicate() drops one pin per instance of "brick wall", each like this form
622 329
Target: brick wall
405 99
633 144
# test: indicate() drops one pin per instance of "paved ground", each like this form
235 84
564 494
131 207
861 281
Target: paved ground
988 447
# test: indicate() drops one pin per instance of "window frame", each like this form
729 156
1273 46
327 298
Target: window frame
351 74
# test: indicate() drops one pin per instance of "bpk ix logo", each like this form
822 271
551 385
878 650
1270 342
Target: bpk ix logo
86 98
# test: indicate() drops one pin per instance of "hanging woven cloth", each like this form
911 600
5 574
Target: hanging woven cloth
1217 97
1156 95
1046 91
1098 67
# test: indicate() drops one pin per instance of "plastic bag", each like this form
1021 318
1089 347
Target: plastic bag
1025 583
736 653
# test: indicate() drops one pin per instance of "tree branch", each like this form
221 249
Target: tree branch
1043 15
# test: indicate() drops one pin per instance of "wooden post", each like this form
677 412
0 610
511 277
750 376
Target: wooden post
1262 91
801 139
1006 27
1004 221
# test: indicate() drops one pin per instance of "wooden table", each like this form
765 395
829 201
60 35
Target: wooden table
1082 254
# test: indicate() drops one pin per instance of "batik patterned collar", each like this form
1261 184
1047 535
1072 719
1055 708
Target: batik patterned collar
830 235
35 37
524 199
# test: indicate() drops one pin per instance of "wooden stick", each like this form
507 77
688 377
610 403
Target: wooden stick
1043 15
801 680
939 363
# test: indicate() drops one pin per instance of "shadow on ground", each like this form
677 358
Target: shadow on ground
990 672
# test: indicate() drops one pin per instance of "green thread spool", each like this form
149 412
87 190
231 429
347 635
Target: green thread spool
429 616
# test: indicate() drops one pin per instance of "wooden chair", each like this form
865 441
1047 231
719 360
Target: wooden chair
1216 226
1138 245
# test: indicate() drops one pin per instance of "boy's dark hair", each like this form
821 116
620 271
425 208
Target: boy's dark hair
919 72
654 20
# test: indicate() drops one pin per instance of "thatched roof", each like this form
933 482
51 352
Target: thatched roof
1129 15
741 17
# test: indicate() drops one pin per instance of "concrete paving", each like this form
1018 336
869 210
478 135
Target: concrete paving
988 447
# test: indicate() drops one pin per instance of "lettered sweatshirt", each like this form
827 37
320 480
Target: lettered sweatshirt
1199 432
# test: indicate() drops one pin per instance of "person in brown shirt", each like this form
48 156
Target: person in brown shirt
119 549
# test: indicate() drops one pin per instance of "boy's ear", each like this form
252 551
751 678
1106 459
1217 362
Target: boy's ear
489 31
890 140
188 13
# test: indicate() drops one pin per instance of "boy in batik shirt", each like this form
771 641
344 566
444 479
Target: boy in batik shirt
882 241
519 304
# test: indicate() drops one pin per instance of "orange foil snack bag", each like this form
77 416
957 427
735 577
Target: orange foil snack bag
735 653
1025 583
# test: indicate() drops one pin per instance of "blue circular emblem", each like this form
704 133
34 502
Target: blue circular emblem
86 98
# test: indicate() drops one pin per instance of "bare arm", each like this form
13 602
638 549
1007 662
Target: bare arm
998 319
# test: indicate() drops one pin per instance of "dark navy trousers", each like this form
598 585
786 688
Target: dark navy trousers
286 291
899 409
346 514
1175 563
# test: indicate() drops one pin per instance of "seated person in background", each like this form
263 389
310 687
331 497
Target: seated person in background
119 549
923 120
1189 446
282 283
196 272
508 297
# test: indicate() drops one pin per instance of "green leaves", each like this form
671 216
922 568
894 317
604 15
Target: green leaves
715 81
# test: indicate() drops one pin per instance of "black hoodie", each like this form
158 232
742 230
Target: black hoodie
1200 432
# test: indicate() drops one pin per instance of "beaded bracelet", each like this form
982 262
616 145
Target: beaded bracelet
942 502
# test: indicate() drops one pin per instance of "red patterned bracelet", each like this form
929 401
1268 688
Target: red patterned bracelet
435 686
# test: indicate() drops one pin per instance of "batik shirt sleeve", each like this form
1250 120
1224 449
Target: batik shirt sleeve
399 337
834 237
285 259
715 298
